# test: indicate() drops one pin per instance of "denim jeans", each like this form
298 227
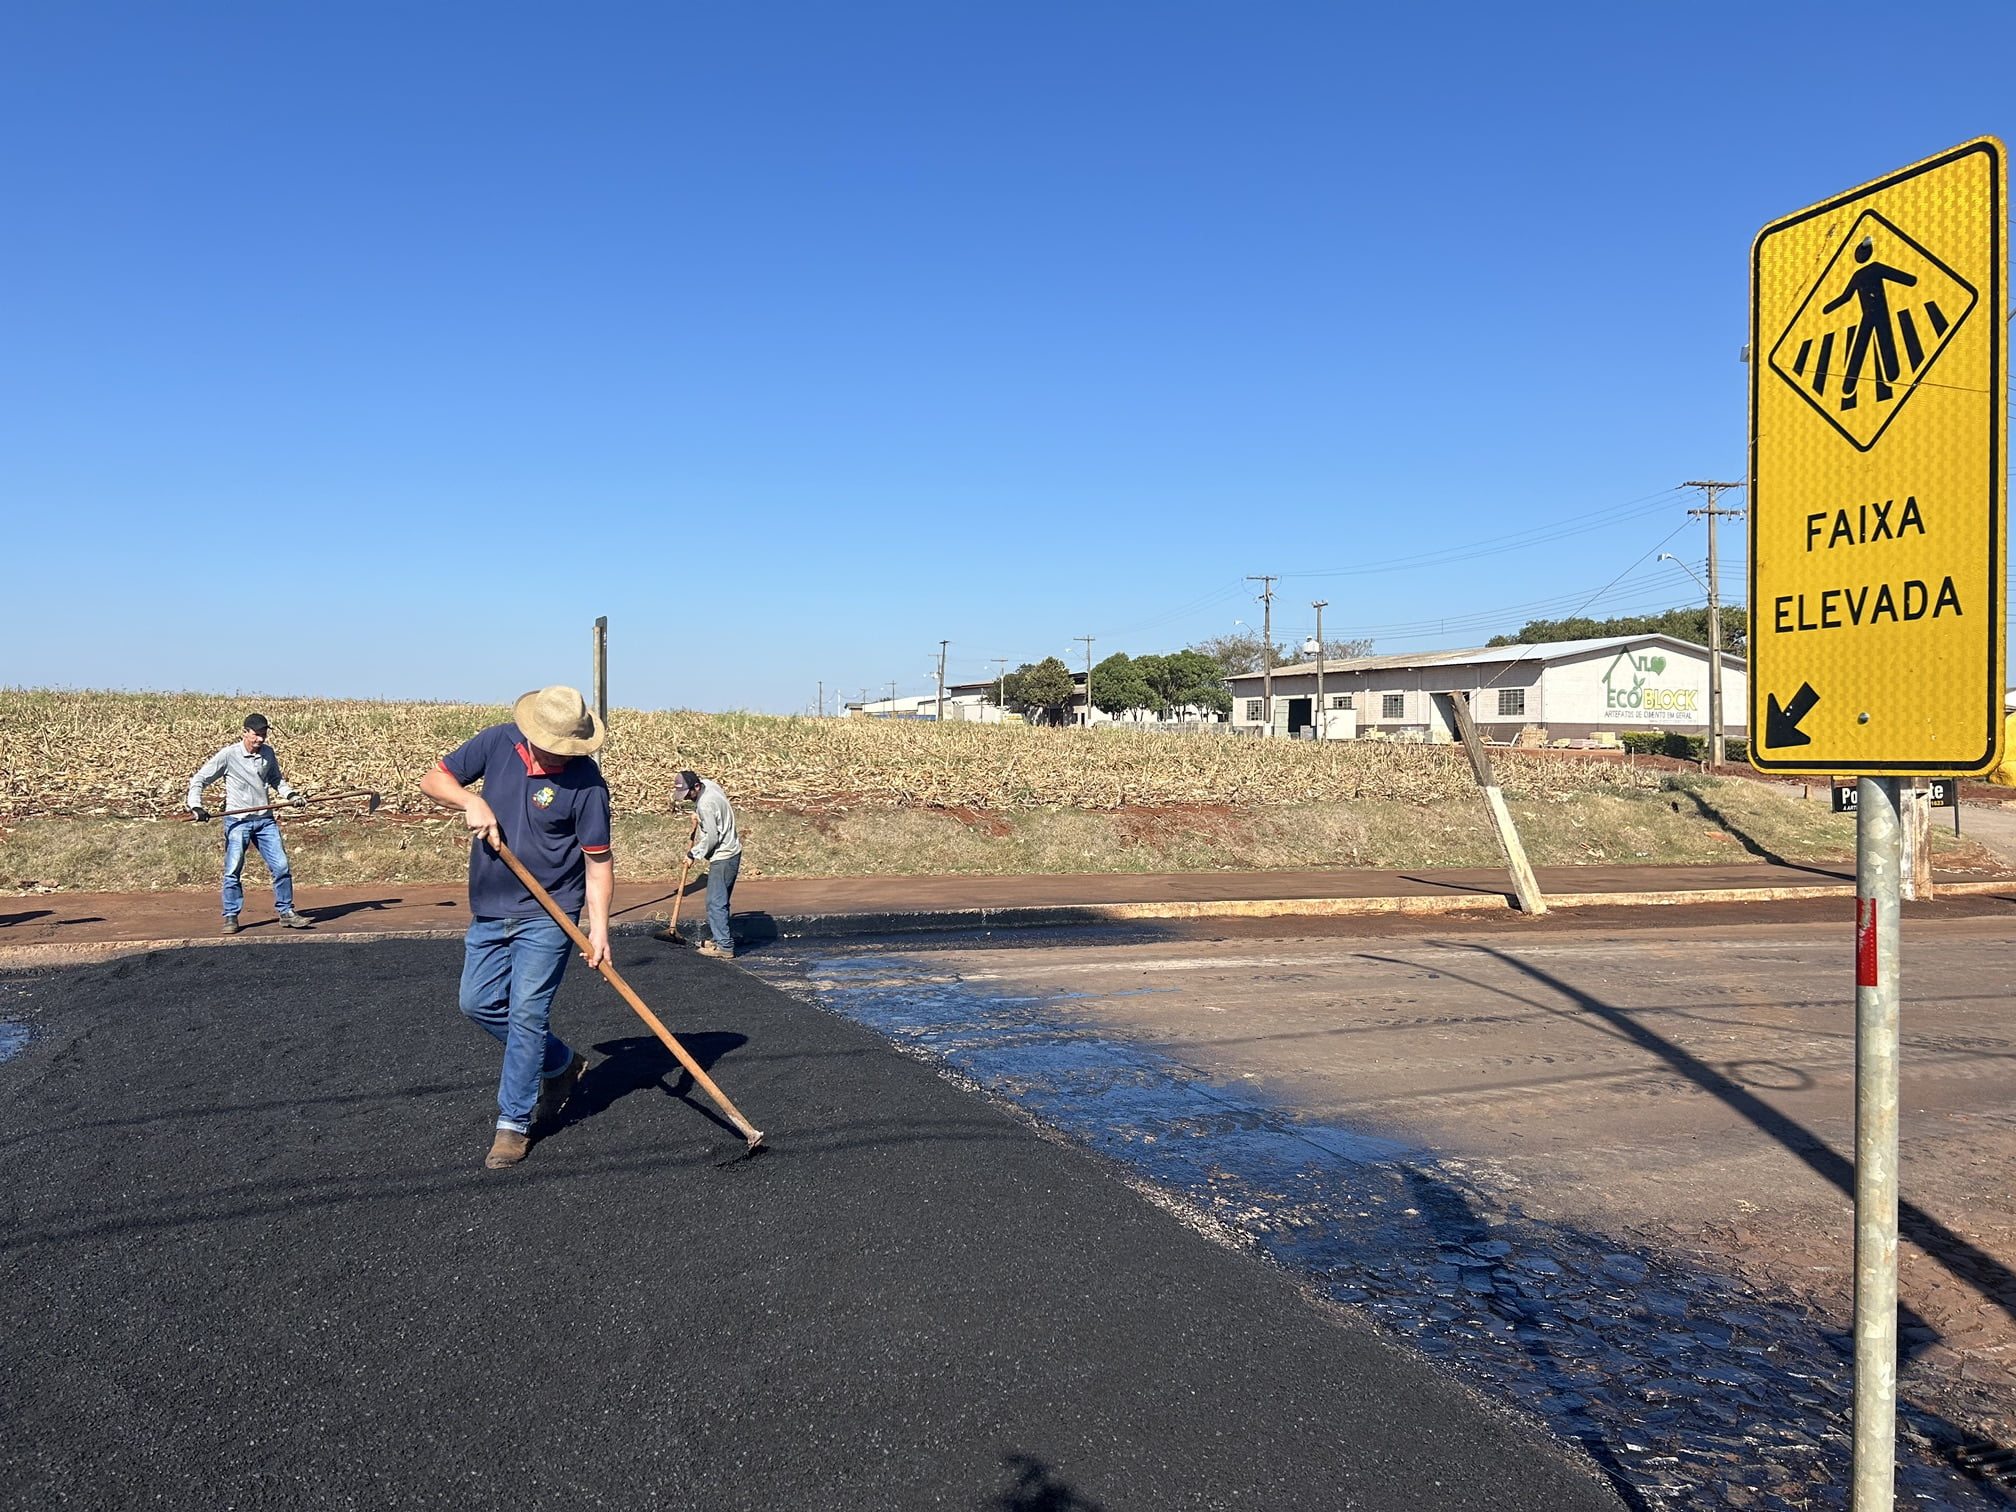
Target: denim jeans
720 888
510 970
263 831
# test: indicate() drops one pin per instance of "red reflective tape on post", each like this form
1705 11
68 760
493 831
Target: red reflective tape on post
1865 943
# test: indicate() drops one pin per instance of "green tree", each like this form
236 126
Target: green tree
1239 652
1118 686
1681 624
1043 689
1185 680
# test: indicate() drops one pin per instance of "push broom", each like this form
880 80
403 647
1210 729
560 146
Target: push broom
748 1130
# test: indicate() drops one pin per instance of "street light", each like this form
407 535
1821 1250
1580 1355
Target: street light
1667 556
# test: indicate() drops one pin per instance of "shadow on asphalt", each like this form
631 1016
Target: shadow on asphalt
1973 1267
639 1063
1038 1488
338 910
1982 1272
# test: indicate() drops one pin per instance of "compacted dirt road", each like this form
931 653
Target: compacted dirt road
1679 1084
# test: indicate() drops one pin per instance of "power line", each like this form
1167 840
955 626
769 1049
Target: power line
1519 540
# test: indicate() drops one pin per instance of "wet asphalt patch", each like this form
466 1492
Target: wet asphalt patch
250 1259
1688 1388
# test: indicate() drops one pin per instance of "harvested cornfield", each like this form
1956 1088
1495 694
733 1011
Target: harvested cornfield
130 755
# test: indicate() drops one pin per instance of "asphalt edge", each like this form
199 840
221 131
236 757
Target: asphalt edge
810 926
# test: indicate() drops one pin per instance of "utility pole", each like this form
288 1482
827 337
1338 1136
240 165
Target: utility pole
941 680
1088 677
1322 650
1000 682
820 712
602 668
1717 751
892 698
864 703
1266 647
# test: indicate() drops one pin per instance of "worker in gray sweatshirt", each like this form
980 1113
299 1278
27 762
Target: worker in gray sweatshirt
249 767
716 843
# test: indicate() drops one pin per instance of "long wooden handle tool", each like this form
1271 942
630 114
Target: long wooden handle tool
748 1130
679 897
372 800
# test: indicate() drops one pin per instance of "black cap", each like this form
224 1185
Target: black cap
256 722
686 784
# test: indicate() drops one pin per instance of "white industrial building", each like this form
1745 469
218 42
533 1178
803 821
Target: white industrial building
970 703
1570 689
974 703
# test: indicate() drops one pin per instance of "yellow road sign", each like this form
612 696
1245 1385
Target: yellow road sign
1878 433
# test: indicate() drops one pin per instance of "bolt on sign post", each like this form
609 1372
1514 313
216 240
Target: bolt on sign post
1878 433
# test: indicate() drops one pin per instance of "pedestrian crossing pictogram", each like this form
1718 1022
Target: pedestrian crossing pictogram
1870 328
1878 548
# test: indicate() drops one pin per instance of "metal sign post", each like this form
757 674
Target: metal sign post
1878 869
1878 500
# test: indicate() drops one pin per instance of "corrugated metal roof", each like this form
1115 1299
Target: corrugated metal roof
1549 651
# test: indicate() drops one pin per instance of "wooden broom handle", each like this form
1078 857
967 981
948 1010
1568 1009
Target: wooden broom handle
749 1131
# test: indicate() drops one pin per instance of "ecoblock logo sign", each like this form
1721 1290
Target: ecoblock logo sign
1634 685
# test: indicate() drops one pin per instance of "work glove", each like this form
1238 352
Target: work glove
199 814
299 800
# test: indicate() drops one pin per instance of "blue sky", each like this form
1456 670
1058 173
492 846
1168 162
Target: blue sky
375 349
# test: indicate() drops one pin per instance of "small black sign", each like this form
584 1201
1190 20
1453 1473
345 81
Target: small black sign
1945 794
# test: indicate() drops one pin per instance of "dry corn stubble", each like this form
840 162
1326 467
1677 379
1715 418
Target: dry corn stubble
131 754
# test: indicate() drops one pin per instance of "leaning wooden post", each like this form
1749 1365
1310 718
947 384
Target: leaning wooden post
1524 887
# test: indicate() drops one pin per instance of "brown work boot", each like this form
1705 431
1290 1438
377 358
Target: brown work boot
295 921
230 924
709 948
507 1149
555 1090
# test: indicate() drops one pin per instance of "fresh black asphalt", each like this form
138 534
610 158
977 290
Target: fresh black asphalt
250 1259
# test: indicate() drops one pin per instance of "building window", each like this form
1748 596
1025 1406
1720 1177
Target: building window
1511 703
1393 706
1341 701
1253 710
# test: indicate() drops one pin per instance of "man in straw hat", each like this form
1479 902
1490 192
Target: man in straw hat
544 799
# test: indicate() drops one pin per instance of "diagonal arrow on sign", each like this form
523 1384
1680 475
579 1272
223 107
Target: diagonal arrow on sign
1781 721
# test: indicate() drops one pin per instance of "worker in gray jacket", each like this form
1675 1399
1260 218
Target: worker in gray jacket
249 768
716 843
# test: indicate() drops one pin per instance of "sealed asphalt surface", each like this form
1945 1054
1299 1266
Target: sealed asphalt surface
249 1258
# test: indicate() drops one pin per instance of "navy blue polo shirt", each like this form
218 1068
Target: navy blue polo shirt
551 820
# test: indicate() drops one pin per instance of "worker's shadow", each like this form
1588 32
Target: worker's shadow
640 1063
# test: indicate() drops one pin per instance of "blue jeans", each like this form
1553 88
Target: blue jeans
263 831
720 888
510 970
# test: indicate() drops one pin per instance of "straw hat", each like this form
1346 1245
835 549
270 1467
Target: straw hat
558 719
